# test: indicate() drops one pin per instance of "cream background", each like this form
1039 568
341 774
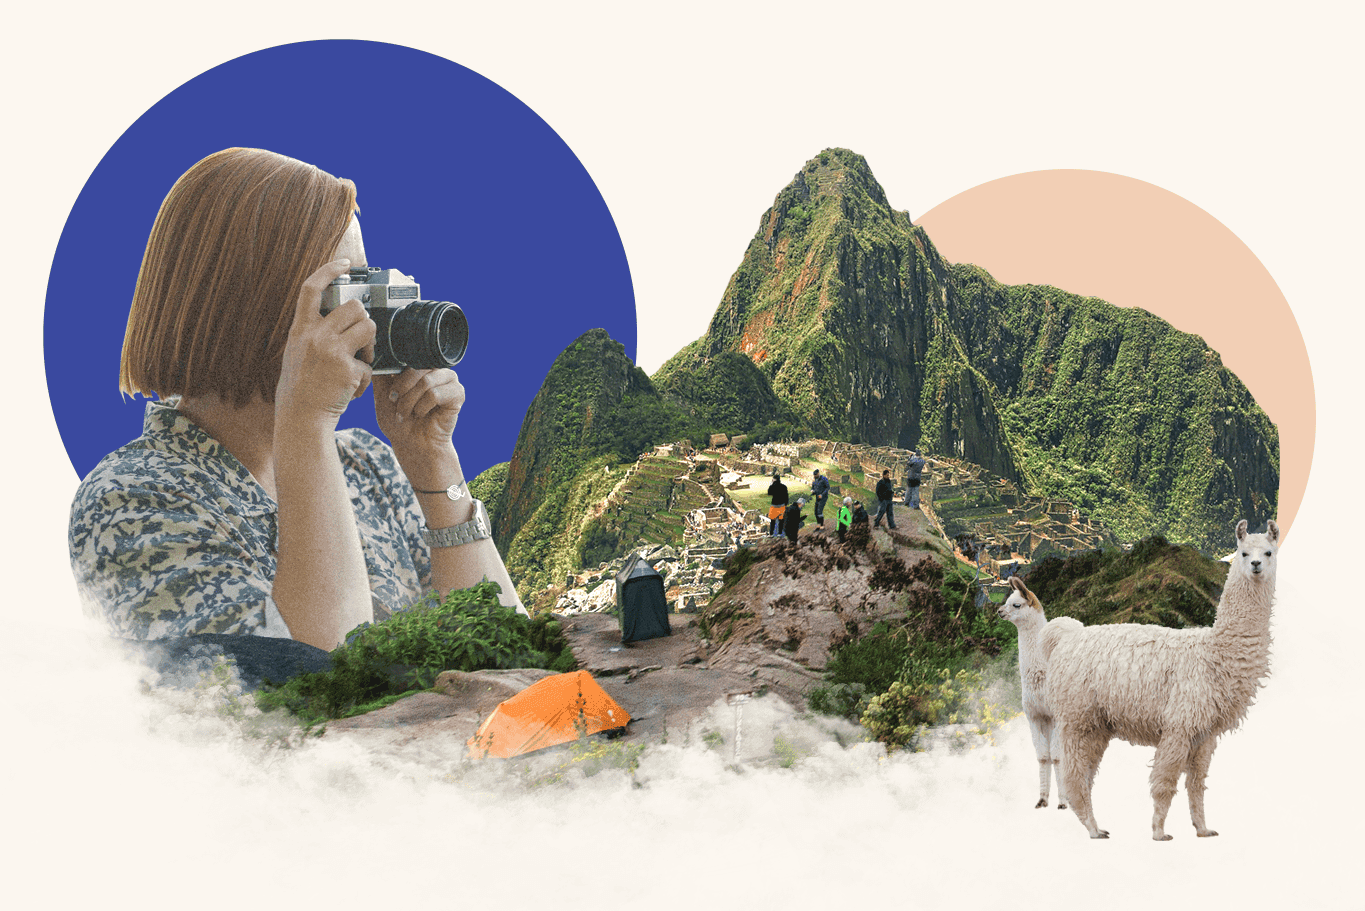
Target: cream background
690 119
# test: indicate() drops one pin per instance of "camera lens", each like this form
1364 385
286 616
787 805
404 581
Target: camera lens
427 335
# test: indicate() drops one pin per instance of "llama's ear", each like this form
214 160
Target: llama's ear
1241 529
1272 531
1018 585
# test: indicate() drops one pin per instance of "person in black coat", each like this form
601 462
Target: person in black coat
886 495
791 521
778 491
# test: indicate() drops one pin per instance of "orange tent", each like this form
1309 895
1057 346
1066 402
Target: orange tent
549 712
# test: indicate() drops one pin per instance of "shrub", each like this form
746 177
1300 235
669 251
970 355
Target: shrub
899 716
847 700
467 631
895 717
873 662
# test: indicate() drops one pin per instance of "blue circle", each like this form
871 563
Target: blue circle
460 185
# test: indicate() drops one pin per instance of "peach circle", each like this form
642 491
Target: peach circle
1136 245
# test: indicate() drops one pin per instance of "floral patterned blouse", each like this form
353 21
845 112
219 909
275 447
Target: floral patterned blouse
171 536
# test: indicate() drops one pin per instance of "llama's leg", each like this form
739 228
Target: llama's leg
1172 754
1195 773
1082 750
1056 754
1041 729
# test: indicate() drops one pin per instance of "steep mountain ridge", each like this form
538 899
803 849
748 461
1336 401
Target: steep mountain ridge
841 302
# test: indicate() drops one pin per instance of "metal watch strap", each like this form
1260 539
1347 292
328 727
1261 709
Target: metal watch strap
476 529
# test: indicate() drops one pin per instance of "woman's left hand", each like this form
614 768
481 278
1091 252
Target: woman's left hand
417 409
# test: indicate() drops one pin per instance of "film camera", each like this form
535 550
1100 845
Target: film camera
413 333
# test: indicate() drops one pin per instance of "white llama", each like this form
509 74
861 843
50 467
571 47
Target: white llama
1176 690
1037 638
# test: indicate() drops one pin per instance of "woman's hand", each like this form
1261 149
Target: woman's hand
417 409
321 373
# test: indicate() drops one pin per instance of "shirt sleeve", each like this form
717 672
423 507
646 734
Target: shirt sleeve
158 562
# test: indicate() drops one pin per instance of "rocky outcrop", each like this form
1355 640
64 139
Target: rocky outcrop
780 621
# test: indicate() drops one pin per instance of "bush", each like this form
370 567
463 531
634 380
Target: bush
873 662
942 636
895 717
847 700
601 543
467 631
899 716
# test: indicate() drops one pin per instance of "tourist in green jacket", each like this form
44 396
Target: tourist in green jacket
845 516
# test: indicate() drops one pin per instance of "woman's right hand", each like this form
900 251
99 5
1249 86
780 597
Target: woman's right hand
321 374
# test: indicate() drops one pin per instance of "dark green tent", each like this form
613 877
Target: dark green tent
640 598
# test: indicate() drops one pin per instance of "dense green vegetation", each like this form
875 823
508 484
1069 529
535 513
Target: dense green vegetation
489 486
842 320
640 421
1156 582
545 548
1133 421
725 393
467 631
941 634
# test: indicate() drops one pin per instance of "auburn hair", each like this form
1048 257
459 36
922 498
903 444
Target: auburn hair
228 254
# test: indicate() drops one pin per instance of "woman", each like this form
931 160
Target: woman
241 508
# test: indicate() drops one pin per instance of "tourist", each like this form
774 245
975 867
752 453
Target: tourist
914 470
778 491
845 517
819 488
791 522
886 495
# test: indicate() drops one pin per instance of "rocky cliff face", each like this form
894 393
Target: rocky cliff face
870 336
841 303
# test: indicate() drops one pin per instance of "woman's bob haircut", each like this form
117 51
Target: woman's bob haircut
232 244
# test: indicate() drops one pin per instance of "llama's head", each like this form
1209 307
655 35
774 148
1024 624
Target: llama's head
1022 607
1255 554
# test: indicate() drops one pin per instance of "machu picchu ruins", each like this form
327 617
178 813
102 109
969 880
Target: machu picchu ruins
685 510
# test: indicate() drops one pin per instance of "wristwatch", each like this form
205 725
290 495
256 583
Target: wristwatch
476 529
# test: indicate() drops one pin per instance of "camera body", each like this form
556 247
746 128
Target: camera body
411 332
